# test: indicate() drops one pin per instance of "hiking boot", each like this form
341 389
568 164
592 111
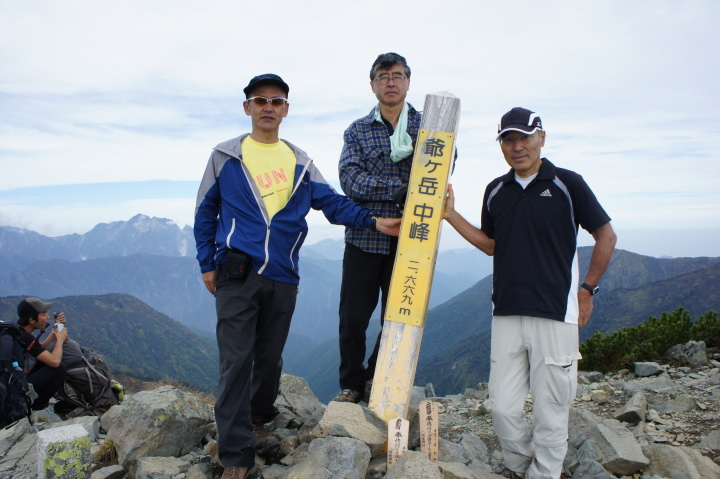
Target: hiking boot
264 439
234 472
348 395
368 391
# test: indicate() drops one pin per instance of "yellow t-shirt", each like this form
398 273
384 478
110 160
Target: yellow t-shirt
272 166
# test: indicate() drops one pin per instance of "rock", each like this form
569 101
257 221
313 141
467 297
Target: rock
352 420
580 423
11 435
454 470
165 422
475 394
334 458
704 465
710 441
449 451
160 467
412 465
199 471
473 448
613 447
91 424
674 462
644 370
599 396
693 353
591 376
591 470
298 398
110 472
110 417
660 384
430 390
680 403
64 453
634 411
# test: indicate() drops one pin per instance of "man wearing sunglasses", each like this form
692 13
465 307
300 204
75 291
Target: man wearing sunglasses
249 227
374 172
529 224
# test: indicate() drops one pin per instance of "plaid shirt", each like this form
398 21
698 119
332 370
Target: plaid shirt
370 178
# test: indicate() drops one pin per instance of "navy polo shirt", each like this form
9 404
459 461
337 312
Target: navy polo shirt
535 267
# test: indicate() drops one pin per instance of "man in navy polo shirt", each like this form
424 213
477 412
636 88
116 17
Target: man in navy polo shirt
530 219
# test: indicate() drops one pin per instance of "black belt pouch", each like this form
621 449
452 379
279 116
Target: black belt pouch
237 264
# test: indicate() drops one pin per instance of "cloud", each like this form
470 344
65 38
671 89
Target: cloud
141 91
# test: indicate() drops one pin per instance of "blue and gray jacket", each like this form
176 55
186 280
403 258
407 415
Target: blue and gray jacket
230 213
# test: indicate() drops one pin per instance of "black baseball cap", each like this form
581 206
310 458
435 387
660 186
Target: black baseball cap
519 119
29 307
266 79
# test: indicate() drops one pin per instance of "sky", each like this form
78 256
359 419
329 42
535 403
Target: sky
108 110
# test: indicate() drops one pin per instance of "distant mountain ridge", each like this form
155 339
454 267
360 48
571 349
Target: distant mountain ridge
456 340
152 260
460 356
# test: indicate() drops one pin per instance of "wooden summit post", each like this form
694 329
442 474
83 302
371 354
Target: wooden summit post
418 242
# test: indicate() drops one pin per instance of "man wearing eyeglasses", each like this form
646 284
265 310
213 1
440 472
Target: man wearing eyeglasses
374 171
529 224
249 227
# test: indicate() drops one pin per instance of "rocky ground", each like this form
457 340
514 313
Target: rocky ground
655 422
679 416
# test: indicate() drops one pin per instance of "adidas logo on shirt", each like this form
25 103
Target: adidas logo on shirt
546 193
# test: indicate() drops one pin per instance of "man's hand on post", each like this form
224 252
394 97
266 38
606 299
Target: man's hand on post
209 280
450 203
388 226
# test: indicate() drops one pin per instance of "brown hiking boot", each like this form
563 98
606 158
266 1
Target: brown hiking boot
264 439
348 395
234 472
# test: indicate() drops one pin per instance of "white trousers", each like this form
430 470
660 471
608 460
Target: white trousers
537 355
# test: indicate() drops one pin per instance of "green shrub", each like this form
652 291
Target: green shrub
707 329
647 341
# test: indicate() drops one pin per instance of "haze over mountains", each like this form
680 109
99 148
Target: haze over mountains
152 259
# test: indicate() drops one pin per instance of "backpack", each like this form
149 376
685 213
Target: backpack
14 399
88 389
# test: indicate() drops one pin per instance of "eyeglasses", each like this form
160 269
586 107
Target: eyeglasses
511 140
384 78
262 101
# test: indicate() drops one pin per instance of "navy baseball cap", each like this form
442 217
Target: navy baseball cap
519 119
266 79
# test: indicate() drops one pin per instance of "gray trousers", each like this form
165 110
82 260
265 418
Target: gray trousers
537 355
254 316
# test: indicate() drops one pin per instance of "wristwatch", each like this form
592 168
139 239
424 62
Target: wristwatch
373 223
593 289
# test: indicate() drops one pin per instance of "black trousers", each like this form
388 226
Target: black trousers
365 277
254 316
46 381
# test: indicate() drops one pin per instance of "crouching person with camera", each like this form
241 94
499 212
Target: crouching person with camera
48 373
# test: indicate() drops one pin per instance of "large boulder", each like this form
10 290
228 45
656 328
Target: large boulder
413 465
165 422
675 462
635 410
333 458
614 447
344 419
693 353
